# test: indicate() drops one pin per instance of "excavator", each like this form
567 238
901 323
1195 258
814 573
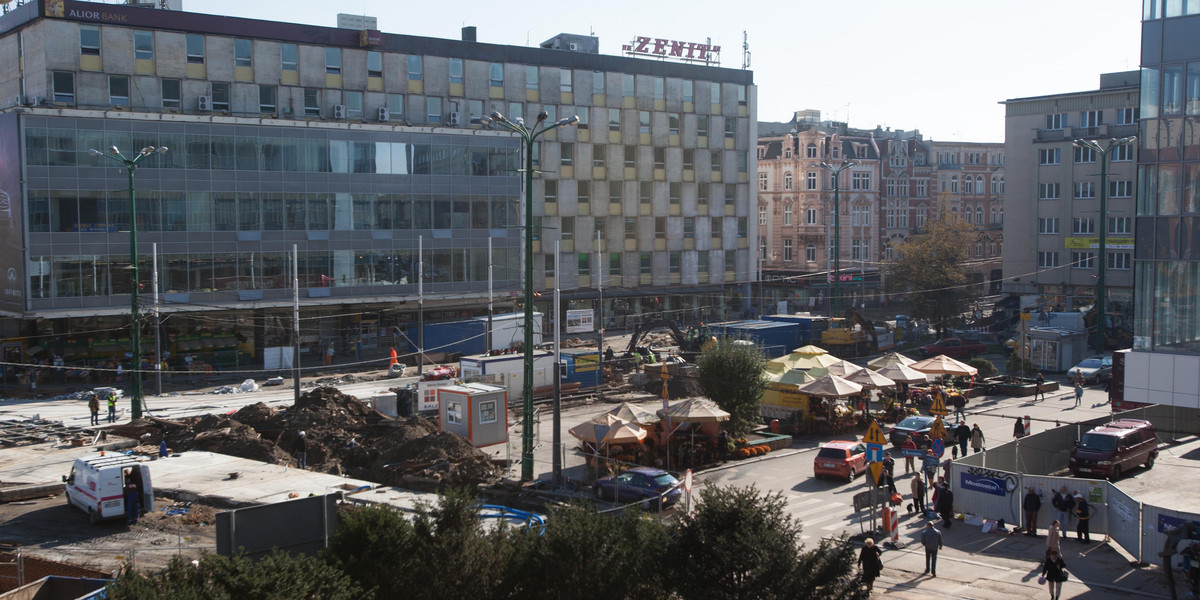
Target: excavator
690 342
1118 333
850 336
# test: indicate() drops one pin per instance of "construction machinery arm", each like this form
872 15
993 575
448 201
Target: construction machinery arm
853 317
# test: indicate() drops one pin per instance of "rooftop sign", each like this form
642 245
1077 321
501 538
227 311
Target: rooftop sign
684 51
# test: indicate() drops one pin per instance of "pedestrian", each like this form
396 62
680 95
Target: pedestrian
723 445
1019 429
1054 572
945 504
131 498
1032 504
112 407
1084 512
94 407
301 450
1078 393
1062 503
1053 535
960 405
918 493
329 354
1041 387
870 563
962 433
120 372
931 539
889 481
929 464
909 449
889 463
977 440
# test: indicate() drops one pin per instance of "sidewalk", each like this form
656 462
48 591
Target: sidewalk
992 566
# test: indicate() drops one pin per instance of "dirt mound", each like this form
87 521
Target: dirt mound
435 458
677 387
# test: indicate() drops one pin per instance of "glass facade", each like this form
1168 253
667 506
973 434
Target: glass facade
225 215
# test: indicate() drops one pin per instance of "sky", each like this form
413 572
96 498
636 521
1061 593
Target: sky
939 66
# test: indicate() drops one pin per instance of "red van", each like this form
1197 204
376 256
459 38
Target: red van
1114 448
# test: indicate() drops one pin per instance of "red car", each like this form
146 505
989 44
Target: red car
954 348
841 459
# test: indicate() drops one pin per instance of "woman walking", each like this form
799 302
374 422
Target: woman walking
1053 536
870 563
1054 571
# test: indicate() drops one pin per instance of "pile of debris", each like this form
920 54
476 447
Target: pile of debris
343 436
683 386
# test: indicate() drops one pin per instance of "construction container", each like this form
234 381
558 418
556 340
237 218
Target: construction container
776 338
582 366
507 370
475 411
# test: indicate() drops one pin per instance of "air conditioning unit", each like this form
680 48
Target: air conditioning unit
573 46
453 118
339 111
205 103
384 115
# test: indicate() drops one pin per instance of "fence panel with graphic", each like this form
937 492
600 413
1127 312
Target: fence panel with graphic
989 493
1125 522
1155 523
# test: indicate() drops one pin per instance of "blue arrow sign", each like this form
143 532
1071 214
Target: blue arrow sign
874 452
938 447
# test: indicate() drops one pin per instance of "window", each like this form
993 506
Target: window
1047 260
1120 189
1056 121
1047 225
354 105
631 228
954 184
860 181
614 193
787 181
333 61
762 215
729 128
997 184
715 93
673 123
1084 189
433 110
810 180
312 102
630 157
171 97
143 45
659 88
64 87
1127 116
1048 191
1083 225
496 75
375 66
564 81
787 214
195 49
598 151
689 159
1091 118
968 185
414 68
627 88
289 57
531 78
395 104
118 90
243 53
643 121
598 83
1048 156
1083 260
1122 153
1120 225
598 225
810 151
220 96
810 253
567 154
583 194
787 250
860 215
645 260
614 119
762 181
810 216
689 227
487 410
89 40
660 158
675 192
614 264
922 188
646 192
716 160
568 223
454 412
1119 261
549 265
860 249
660 228
1084 154
582 112
266 99
688 91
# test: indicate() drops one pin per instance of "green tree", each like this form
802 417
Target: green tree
371 546
929 271
731 374
276 576
741 543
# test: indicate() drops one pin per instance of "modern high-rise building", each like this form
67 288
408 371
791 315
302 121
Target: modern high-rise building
363 151
1164 366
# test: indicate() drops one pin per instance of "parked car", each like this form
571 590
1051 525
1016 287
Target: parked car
919 424
841 459
954 348
1113 448
642 483
1095 369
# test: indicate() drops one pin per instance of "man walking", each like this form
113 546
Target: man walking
909 449
112 407
962 433
918 494
94 407
1078 393
1032 504
977 438
960 405
945 504
931 539
1041 387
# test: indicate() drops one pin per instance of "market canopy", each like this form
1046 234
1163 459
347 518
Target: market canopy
842 368
831 386
891 358
810 350
607 429
902 374
796 377
633 414
944 365
693 411
871 379
815 361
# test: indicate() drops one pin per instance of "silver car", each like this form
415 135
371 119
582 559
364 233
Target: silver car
1093 369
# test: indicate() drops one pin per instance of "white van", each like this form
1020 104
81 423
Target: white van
96 484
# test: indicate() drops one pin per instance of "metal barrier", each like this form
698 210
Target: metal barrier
1155 520
989 493
1095 491
1125 522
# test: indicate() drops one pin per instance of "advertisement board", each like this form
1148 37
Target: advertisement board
580 321
12 271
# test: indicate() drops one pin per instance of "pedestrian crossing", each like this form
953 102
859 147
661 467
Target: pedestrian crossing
822 517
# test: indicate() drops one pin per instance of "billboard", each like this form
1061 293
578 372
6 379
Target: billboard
580 321
12 270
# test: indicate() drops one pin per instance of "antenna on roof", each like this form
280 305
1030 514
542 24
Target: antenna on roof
745 50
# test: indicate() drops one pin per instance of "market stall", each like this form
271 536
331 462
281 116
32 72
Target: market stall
828 410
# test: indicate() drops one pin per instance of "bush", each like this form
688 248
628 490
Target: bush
985 366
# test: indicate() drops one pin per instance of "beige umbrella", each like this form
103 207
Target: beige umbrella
891 358
796 377
831 386
633 414
810 349
944 365
902 374
871 379
842 368
693 411
815 361
607 429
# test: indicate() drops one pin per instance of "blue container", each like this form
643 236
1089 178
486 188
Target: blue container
776 338
581 365
810 327
462 337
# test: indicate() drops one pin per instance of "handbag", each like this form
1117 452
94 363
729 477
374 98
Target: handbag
1041 580
1066 576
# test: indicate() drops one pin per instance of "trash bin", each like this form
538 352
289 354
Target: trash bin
774 425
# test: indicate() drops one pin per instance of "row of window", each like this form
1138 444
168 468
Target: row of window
658 227
644 262
1086 225
860 181
1083 190
1084 155
1090 119
1119 261
1157 9
1168 189
1171 90
289 57
894 188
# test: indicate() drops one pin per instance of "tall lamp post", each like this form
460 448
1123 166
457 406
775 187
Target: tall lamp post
1102 263
529 136
135 329
837 231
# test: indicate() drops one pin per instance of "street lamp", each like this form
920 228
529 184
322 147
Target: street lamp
135 333
1104 152
837 232
529 135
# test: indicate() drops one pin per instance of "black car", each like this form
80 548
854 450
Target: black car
905 428
642 483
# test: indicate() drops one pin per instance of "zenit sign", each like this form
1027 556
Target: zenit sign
686 51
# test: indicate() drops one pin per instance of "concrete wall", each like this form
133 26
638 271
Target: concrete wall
301 526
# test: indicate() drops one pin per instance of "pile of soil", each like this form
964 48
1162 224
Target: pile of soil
343 436
677 387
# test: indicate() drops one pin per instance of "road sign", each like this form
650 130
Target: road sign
874 434
876 468
939 406
938 447
874 453
937 430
